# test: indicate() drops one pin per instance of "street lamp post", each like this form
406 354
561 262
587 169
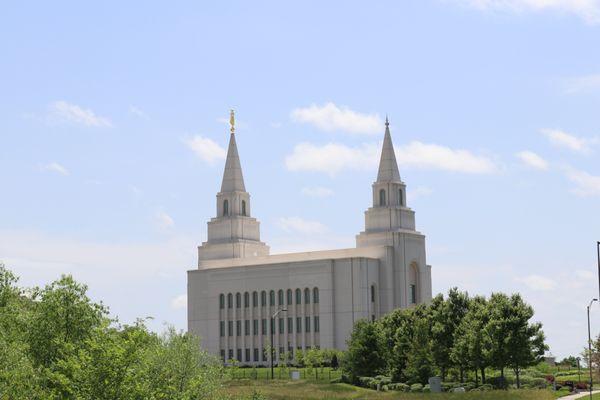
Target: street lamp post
578 370
272 331
590 346
598 250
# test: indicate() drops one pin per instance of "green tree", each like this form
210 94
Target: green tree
470 341
366 351
446 316
419 365
64 318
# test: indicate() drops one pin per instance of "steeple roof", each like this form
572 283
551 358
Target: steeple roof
388 167
233 180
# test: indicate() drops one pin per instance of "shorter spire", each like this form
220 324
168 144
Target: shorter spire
388 167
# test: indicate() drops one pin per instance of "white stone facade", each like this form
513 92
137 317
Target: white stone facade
238 286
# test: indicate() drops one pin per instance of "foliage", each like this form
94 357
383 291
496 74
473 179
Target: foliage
451 336
366 351
55 343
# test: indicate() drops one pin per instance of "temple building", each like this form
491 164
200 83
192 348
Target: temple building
314 298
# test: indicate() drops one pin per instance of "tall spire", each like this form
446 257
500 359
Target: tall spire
388 167
233 180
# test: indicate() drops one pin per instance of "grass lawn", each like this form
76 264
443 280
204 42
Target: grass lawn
306 390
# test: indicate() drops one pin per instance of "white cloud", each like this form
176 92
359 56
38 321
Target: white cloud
532 160
563 139
581 84
537 282
62 111
433 156
333 158
585 183
317 191
205 148
299 225
164 220
419 191
330 117
179 302
55 167
588 10
137 112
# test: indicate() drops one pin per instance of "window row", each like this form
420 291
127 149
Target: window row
226 208
256 352
281 324
383 200
282 299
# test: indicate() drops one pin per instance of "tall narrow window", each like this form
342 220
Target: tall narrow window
400 197
229 300
272 298
221 301
225 208
238 328
298 324
254 299
298 296
306 296
289 297
263 298
280 297
382 197
244 208
317 327
222 328
290 325
246 327
316 295
255 327
263 326
413 294
307 324
229 328
238 300
281 325
246 299
372 293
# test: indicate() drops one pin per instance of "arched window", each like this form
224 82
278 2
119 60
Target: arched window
298 296
238 300
382 197
246 299
306 296
400 197
244 208
221 301
413 280
272 298
263 298
225 208
289 297
280 297
229 300
254 299
316 295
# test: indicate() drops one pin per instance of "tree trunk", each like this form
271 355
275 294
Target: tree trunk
476 378
462 374
443 373
517 373
483 375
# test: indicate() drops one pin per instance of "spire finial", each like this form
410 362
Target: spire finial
387 123
232 121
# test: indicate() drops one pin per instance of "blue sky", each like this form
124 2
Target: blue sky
113 130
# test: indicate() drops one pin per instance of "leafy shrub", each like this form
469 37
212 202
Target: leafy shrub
416 388
400 387
539 383
498 382
426 389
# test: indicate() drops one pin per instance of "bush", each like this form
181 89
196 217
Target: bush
539 383
426 389
416 388
498 382
400 387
